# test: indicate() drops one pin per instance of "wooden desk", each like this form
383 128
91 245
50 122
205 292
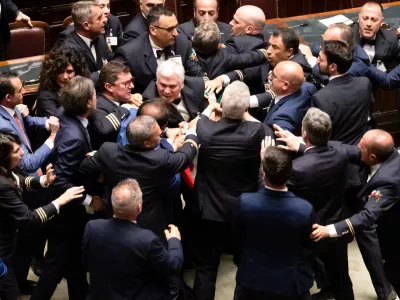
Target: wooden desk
386 109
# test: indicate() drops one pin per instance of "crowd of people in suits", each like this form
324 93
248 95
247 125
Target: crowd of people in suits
247 141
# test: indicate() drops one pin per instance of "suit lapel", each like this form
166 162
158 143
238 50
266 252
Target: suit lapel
380 46
84 131
150 59
187 98
279 104
7 116
85 47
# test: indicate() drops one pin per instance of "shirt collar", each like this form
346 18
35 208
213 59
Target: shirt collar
278 98
154 46
374 169
278 190
309 148
337 76
113 101
84 121
9 110
86 40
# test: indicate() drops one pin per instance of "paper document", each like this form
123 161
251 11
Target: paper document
336 19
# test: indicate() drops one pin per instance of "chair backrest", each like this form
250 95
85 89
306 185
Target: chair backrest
67 21
26 41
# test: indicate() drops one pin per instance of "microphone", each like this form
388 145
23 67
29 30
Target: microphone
305 23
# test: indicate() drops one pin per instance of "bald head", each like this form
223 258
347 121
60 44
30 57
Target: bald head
248 20
376 146
286 78
340 32
370 19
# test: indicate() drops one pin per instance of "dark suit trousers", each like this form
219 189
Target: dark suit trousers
333 254
8 285
368 243
242 293
63 259
212 238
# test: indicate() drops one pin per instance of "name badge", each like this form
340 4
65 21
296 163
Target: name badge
112 40
381 67
177 59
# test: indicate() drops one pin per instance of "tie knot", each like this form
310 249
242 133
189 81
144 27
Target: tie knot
94 42
159 53
364 41
177 101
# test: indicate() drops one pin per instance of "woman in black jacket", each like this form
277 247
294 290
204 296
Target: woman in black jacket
59 66
14 213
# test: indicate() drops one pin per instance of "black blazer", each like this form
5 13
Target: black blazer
386 47
246 43
113 24
9 12
105 121
15 214
139 56
135 28
47 103
133 264
75 41
347 100
71 145
228 165
188 27
223 61
151 168
192 95
320 176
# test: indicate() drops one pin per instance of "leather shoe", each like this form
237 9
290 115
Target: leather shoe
27 287
36 266
324 294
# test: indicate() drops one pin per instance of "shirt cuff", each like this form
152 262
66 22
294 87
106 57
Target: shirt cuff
42 181
56 205
49 144
128 106
312 61
88 200
191 131
253 101
332 231
207 112
226 80
47 125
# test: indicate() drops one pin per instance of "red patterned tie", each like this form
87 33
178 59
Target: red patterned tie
22 131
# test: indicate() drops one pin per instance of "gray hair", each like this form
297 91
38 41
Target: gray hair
169 68
318 126
140 130
75 96
346 34
206 37
82 12
125 198
235 100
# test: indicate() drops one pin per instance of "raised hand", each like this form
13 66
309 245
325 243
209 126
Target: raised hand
70 194
50 176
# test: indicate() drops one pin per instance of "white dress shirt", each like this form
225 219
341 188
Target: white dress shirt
155 48
92 48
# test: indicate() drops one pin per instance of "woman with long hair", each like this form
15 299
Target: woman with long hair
14 213
59 66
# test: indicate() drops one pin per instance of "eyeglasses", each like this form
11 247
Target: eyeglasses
273 75
151 5
128 83
168 29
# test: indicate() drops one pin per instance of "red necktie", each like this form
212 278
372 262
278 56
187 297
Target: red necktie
22 131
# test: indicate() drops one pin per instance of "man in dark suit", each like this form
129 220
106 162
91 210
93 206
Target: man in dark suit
139 24
63 256
87 38
283 46
112 29
380 44
133 264
113 103
184 94
215 61
274 228
292 97
381 201
205 10
324 185
346 99
9 13
162 42
152 169
228 165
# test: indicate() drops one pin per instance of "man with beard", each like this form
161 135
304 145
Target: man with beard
205 10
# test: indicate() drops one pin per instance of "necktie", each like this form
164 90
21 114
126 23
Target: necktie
369 42
94 42
159 53
271 105
22 131
177 101
166 51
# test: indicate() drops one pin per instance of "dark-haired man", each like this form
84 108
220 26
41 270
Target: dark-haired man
113 103
205 10
278 269
161 43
